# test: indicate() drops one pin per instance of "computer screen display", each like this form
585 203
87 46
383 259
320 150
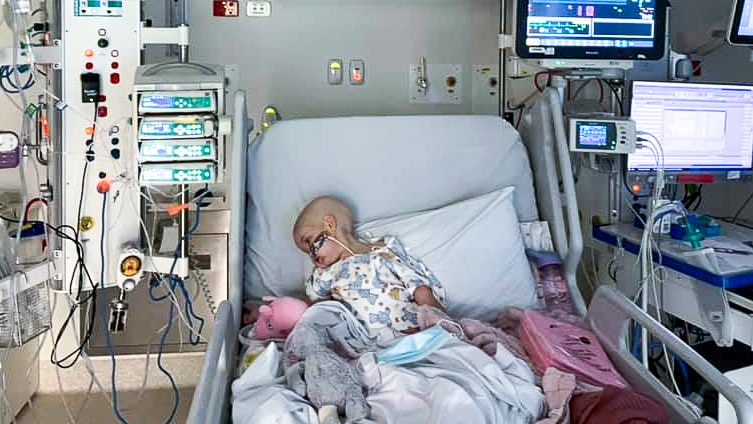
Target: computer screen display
741 24
591 29
702 128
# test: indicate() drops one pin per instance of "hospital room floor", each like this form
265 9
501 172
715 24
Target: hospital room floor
153 408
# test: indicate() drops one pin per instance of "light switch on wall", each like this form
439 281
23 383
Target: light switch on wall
335 72
357 72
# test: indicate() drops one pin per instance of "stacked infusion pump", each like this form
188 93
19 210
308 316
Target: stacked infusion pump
179 124
180 130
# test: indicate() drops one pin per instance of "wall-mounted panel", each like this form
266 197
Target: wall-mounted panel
284 58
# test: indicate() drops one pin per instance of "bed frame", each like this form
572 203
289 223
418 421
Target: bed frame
610 313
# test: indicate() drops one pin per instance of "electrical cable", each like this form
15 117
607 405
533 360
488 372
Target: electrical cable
617 96
189 310
81 270
536 80
108 339
7 75
586 84
742 208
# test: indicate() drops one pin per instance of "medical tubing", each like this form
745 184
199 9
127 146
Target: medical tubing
190 312
645 257
105 326
161 367
170 315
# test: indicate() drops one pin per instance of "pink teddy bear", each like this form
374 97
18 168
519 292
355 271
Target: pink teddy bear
277 319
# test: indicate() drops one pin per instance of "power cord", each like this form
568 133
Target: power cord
108 339
173 283
742 208
617 96
205 290
80 269
6 77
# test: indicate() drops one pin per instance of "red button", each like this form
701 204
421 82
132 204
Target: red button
89 65
115 65
102 111
102 98
115 78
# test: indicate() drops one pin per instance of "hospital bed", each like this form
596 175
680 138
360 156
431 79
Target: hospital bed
391 165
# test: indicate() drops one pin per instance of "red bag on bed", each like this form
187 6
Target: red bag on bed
571 349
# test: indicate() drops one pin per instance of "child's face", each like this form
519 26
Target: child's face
317 245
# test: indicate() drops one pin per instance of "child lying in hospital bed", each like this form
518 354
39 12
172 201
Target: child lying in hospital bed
386 289
379 282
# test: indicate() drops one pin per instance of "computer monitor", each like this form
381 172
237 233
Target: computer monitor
705 130
740 30
590 29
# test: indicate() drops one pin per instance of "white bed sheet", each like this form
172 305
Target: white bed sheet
456 383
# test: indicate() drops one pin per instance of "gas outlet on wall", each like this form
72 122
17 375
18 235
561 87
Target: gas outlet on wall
259 9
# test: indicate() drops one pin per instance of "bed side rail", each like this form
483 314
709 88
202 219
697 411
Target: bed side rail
211 397
609 316
543 132
575 235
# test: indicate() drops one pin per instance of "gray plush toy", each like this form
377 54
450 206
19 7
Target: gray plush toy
315 371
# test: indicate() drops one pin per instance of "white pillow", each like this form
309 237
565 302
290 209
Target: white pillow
475 248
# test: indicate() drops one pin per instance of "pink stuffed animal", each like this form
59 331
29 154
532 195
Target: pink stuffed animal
277 319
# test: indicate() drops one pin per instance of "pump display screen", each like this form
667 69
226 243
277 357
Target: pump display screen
167 174
591 29
177 150
172 102
159 129
596 136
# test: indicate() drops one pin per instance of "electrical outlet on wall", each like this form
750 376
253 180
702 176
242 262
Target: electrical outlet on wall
485 85
259 9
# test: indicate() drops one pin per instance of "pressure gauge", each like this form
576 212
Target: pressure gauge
130 268
8 142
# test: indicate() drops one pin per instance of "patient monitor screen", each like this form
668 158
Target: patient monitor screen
590 29
701 127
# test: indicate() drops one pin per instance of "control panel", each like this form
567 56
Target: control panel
172 173
602 135
177 150
100 195
181 126
189 101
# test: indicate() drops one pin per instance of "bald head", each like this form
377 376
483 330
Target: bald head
325 213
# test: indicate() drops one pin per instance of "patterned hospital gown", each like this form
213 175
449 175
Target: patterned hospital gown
377 286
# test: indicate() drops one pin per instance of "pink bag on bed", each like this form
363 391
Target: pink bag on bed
552 343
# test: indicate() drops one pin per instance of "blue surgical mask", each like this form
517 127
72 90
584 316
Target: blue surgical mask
415 347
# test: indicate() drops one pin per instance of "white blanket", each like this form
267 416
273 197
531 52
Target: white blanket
458 383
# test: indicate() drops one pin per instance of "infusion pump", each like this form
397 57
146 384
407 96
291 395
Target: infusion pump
610 135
